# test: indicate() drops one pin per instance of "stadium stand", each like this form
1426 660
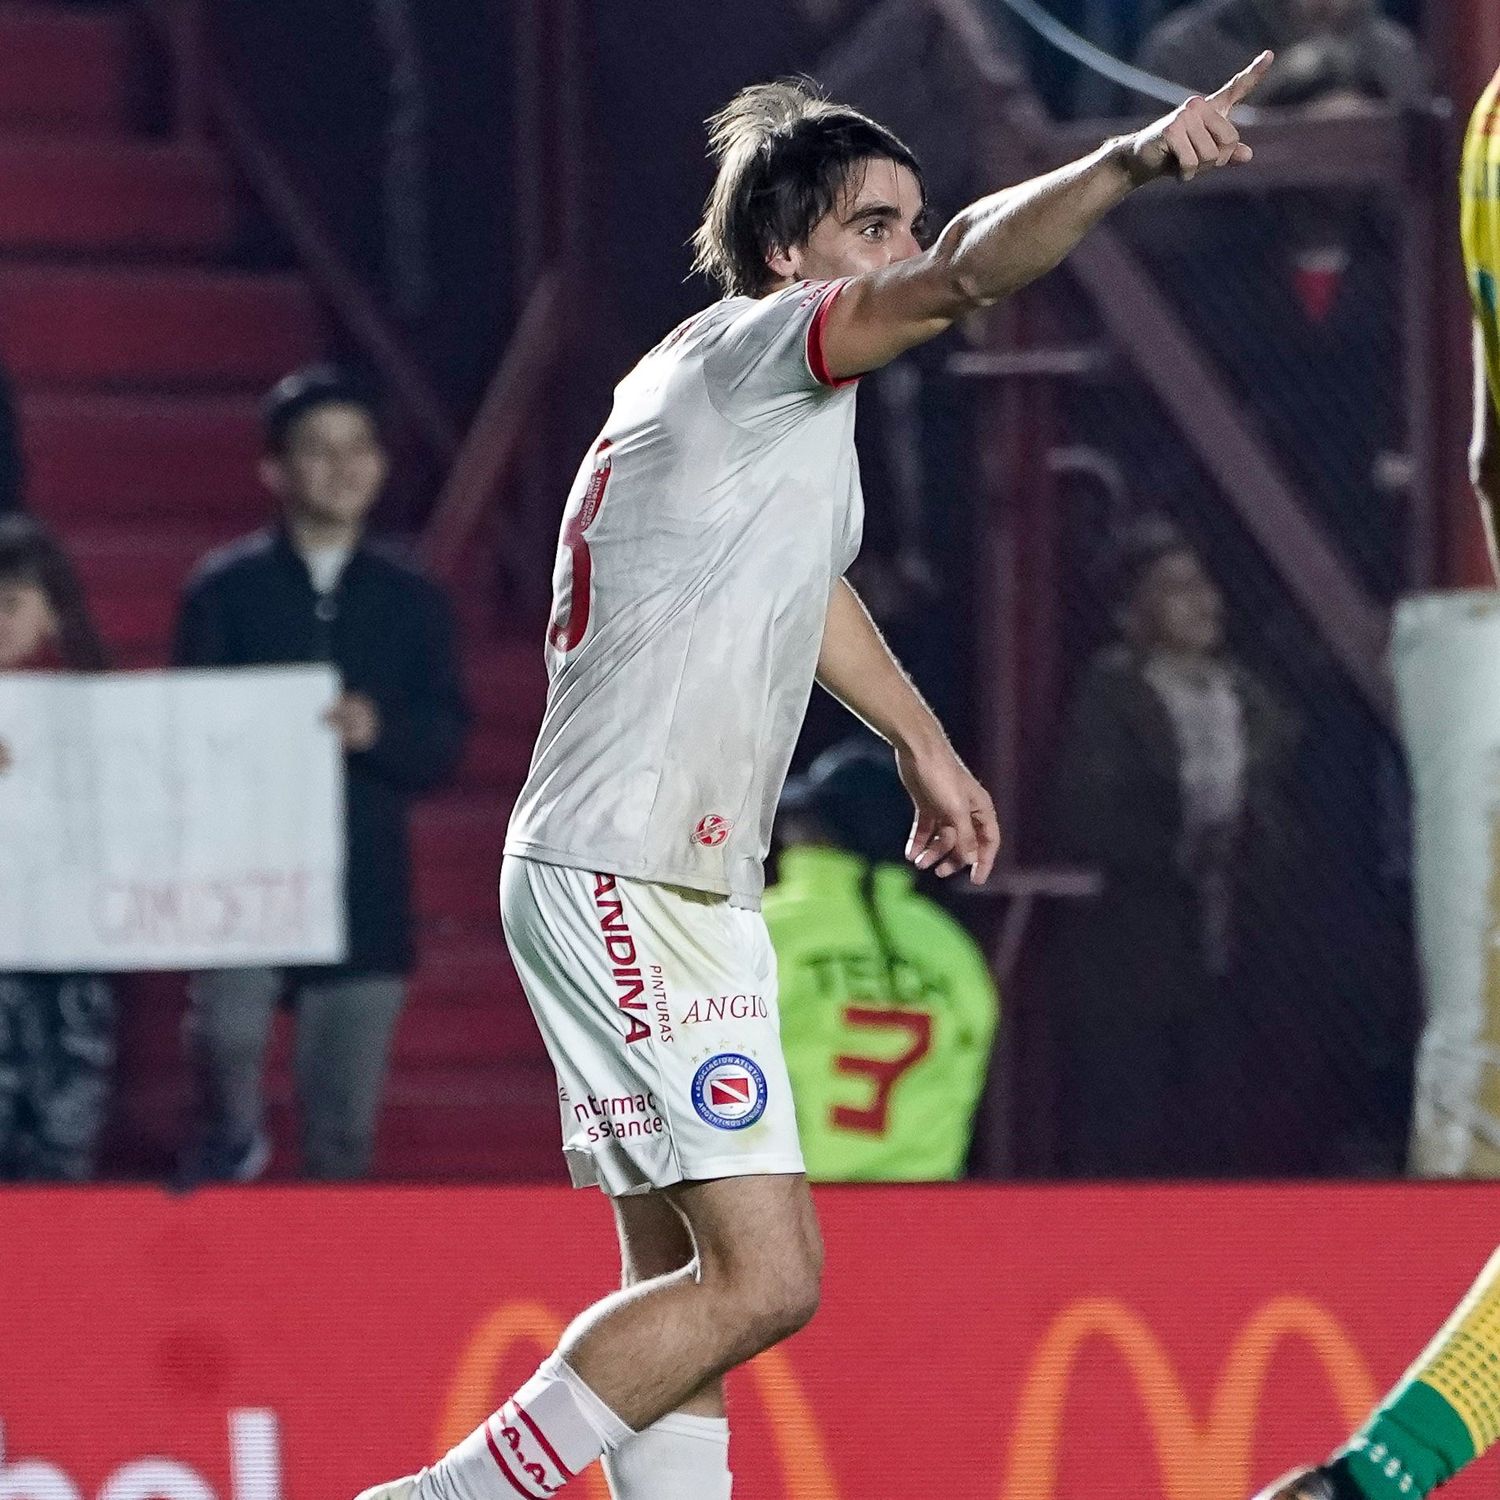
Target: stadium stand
138 344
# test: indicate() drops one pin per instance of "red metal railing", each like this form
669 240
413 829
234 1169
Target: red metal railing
1029 379
497 437
205 101
1375 150
550 137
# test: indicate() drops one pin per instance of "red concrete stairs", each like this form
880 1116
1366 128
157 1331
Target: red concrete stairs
138 349
65 70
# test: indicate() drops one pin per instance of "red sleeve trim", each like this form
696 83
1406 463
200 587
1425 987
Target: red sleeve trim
815 358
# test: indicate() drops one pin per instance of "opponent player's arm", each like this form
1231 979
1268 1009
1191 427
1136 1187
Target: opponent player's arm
955 823
1484 452
1442 1415
1000 243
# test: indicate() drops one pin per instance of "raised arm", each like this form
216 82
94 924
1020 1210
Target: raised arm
1000 243
955 822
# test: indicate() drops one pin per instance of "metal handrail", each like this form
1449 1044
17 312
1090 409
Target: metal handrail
1148 328
497 435
548 229
204 97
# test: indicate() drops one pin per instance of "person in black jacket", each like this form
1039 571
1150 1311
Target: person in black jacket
1172 784
313 589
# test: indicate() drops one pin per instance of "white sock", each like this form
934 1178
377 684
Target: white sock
552 1429
678 1458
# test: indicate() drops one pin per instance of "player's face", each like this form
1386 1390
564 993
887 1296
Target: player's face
1178 608
27 622
333 466
876 222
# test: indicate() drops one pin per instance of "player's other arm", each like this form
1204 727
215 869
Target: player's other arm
1440 1416
1484 452
1000 243
955 822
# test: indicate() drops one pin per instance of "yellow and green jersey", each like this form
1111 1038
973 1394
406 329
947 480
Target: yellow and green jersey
1480 225
1442 1415
888 1012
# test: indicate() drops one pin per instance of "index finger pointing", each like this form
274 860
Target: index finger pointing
1242 83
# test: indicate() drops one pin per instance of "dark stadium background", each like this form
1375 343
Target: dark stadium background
486 204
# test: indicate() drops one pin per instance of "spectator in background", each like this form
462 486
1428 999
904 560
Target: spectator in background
1324 48
313 589
887 1008
1169 785
57 1031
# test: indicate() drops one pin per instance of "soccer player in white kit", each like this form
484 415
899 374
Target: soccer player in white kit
699 591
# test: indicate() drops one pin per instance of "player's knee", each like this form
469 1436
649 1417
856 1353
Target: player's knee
781 1297
796 1303
766 1270
799 1301
799 1278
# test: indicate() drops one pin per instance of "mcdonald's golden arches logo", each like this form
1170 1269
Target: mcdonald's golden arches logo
1198 1459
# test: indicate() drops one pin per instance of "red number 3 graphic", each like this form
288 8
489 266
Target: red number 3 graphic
916 1026
566 631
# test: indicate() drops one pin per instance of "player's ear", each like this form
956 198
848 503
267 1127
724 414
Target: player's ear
780 263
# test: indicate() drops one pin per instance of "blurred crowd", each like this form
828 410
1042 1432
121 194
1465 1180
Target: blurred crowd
312 586
1239 999
1236 998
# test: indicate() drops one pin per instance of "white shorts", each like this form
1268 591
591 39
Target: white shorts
658 1008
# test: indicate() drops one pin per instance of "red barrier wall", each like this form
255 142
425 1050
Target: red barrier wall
1003 1343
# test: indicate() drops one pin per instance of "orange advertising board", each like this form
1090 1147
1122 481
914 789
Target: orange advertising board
994 1343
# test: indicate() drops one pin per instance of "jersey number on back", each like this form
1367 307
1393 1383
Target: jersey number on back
916 1025
568 630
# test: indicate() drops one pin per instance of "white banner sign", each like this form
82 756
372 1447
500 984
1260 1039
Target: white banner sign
171 820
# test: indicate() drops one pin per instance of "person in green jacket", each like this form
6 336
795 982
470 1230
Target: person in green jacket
888 1010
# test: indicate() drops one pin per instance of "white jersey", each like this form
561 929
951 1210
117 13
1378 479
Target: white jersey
700 546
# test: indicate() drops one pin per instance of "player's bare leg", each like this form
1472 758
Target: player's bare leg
649 1348
755 1282
685 1454
655 1241
1441 1415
